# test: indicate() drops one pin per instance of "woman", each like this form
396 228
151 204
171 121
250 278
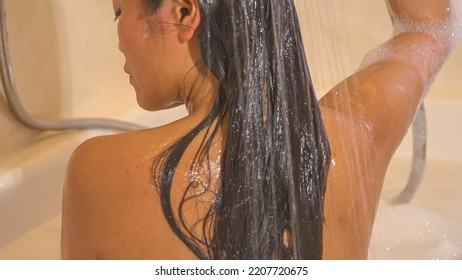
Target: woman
258 169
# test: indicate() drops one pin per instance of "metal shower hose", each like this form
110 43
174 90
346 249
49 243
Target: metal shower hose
17 109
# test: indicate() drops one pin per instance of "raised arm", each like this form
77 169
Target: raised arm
369 113
393 79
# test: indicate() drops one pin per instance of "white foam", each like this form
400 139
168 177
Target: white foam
413 232
456 22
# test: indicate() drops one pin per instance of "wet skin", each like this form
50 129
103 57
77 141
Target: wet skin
111 210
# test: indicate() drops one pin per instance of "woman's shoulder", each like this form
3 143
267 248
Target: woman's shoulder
101 153
122 157
127 149
108 183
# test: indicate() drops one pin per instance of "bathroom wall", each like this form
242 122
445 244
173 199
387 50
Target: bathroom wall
65 60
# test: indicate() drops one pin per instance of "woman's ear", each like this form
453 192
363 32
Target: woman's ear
187 13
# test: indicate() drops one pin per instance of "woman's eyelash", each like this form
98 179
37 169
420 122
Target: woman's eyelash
117 14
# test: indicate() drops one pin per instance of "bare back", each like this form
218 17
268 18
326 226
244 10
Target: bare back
111 205
112 208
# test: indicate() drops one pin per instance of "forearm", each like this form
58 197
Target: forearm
425 33
435 18
426 12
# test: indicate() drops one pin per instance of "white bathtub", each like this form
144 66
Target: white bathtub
429 227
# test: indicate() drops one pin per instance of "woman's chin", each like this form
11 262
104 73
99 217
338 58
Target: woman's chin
155 106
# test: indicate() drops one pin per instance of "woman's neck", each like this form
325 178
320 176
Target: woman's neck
200 90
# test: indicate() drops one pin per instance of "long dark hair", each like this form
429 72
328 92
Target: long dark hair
269 200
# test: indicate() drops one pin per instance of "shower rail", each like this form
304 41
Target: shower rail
17 109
